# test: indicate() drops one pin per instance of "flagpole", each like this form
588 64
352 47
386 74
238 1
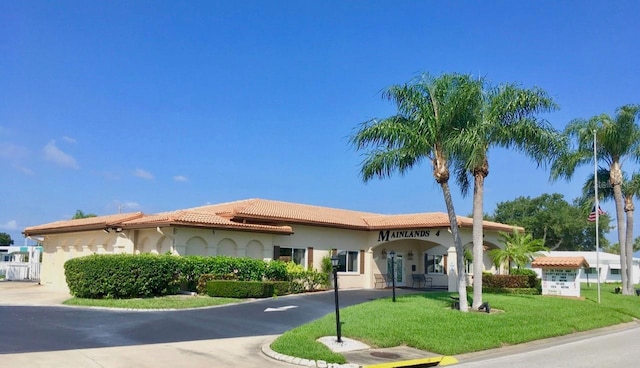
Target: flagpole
597 209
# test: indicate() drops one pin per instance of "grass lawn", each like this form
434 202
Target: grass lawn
426 321
165 302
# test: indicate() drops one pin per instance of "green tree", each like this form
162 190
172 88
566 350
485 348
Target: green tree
80 215
630 189
615 248
618 139
508 118
560 224
431 111
519 248
5 239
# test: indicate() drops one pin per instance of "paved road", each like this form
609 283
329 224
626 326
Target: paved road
36 328
231 336
611 347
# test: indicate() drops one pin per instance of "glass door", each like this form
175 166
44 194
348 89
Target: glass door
398 268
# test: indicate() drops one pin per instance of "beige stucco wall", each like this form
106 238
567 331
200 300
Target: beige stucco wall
59 248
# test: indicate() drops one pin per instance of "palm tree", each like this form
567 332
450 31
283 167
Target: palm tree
519 248
630 189
618 139
507 119
431 111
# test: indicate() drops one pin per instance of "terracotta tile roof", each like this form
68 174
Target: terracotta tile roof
276 211
559 262
264 216
434 219
89 223
198 218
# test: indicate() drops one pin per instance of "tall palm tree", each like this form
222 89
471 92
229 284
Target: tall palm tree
618 139
507 118
431 111
519 249
630 189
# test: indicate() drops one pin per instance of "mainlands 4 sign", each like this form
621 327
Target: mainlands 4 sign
387 235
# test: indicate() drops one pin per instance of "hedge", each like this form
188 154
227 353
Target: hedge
122 276
145 275
246 289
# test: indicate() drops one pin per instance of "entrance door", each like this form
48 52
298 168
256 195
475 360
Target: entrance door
398 268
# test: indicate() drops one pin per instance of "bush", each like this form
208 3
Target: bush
505 281
532 276
122 276
518 291
305 280
240 289
243 269
276 271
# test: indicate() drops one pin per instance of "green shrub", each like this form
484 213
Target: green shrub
229 268
281 287
505 281
276 271
305 280
122 276
240 289
533 280
518 291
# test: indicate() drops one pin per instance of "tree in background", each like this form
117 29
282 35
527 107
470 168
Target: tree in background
519 248
615 248
630 189
560 225
508 118
618 140
80 215
431 111
5 239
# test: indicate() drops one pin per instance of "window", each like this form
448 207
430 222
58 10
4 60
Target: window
297 255
591 271
435 263
615 271
347 261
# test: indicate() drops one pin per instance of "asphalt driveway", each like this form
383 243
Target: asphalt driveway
40 323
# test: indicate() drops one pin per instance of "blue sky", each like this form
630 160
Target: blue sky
163 105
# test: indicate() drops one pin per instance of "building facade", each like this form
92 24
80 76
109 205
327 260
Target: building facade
265 229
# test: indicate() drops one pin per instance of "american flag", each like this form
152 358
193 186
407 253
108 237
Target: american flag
592 215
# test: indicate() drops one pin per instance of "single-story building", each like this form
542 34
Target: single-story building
267 229
609 265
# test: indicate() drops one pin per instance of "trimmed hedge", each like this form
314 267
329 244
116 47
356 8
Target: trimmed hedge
246 289
505 281
146 275
518 291
532 276
122 276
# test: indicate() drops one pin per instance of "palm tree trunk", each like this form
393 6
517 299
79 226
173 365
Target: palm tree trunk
628 248
478 256
462 281
615 175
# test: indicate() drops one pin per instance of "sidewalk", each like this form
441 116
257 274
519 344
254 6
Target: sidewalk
30 293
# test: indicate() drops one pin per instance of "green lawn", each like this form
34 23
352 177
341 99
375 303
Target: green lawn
426 321
166 302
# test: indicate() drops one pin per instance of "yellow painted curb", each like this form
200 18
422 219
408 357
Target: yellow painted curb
417 363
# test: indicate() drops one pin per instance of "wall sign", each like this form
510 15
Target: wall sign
386 235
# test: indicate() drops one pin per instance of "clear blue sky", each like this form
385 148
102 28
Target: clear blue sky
163 105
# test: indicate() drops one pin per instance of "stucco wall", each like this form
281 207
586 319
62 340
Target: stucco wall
369 245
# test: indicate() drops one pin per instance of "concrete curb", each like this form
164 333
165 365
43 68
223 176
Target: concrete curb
266 350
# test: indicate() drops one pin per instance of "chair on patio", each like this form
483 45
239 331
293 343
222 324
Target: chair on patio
421 279
381 279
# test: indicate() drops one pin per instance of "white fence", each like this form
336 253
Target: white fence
16 270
